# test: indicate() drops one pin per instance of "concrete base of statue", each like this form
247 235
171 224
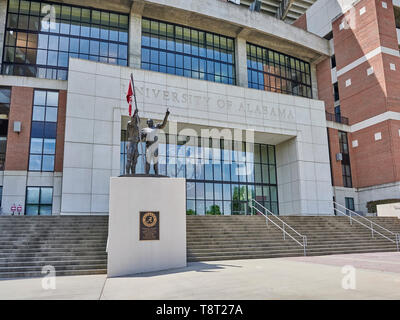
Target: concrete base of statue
147 225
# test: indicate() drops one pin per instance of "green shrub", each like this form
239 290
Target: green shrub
214 210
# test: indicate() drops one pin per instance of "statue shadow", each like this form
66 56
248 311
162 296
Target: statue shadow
191 266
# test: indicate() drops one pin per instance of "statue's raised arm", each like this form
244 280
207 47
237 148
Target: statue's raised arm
164 123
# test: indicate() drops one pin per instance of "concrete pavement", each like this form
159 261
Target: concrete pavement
377 276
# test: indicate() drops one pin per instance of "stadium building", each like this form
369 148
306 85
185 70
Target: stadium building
268 100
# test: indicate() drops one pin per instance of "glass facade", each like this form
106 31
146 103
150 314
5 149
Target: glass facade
38 201
5 99
222 176
187 52
273 71
40 38
43 131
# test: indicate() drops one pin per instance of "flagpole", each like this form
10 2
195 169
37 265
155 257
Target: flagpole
138 120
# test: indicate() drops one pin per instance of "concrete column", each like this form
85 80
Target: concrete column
14 187
314 83
135 40
241 62
304 183
3 15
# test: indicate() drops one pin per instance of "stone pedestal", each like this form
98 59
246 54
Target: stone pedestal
129 196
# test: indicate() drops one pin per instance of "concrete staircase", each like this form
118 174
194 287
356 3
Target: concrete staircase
247 237
74 245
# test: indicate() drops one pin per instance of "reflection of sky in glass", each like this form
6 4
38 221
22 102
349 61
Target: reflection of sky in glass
214 176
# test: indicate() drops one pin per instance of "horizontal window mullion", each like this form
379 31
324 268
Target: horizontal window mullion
187 55
62 35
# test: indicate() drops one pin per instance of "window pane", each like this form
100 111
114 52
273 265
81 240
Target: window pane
32 195
51 114
46 196
50 130
206 195
175 39
32 210
284 67
38 113
48 163
25 31
52 98
40 97
35 162
45 210
36 145
49 146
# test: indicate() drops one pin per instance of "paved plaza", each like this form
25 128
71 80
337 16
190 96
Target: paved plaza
376 276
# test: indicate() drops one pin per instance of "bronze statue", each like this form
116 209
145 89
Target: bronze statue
150 135
133 135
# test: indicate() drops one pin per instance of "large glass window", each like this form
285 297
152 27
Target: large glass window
346 169
5 99
38 201
222 176
40 38
270 70
44 131
188 52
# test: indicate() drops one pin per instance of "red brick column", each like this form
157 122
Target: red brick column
17 154
336 166
62 105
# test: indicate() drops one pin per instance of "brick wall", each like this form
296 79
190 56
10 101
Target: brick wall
373 162
17 153
336 166
376 162
62 104
353 43
325 87
301 22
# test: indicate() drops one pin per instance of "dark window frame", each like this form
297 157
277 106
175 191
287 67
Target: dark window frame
346 165
195 73
349 203
336 95
298 78
39 204
5 123
267 199
43 137
59 71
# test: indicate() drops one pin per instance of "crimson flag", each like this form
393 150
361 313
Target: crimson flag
129 95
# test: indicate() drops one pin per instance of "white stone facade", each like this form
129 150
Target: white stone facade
380 192
96 103
15 183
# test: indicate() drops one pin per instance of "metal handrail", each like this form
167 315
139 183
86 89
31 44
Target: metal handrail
304 238
372 224
359 215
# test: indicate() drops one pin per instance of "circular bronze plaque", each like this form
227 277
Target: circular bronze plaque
149 219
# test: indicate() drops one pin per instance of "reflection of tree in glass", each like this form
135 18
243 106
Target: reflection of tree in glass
190 212
239 195
214 210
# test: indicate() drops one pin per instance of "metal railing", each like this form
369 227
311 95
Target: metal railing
336 118
284 227
370 222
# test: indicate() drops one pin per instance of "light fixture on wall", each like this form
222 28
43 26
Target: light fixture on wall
17 126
